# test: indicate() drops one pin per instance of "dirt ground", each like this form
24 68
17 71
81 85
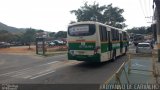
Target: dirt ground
18 49
25 49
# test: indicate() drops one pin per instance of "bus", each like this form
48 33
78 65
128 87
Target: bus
95 42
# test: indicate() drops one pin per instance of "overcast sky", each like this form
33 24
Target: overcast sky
54 15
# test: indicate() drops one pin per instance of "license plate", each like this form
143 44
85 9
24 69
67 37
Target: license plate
81 52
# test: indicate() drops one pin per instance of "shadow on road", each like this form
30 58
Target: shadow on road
91 65
94 65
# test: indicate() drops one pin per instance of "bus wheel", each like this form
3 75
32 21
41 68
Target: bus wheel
113 56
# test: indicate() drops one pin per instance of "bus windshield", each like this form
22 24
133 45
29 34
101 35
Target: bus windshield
81 30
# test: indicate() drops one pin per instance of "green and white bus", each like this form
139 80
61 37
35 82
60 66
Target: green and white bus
95 42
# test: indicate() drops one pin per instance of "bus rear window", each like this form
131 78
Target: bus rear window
81 30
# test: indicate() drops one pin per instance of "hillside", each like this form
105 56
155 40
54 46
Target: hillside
10 29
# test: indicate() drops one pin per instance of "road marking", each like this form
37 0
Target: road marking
42 75
14 72
27 77
18 74
23 74
63 55
38 71
26 69
51 62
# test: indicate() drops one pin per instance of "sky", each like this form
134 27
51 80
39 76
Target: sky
54 15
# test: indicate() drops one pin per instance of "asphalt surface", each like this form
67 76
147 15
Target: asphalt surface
57 70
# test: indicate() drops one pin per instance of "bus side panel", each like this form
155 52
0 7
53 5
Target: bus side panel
103 41
104 51
116 46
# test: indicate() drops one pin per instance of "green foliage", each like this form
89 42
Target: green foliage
104 14
5 35
29 36
52 34
113 16
3 32
39 31
140 30
61 34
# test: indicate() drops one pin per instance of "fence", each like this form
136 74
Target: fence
138 69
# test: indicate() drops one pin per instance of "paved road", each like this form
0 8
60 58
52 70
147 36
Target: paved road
56 69
34 69
132 49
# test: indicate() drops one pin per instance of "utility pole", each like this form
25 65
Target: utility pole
156 16
158 37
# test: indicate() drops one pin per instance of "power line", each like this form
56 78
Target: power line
150 14
141 7
150 8
145 7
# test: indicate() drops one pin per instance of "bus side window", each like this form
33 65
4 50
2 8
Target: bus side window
113 33
124 36
117 35
103 33
120 36
106 34
109 36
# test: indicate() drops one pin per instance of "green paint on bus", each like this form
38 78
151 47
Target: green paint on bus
104 47
81 46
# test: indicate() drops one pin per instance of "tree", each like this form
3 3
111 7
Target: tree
105 14
140 30
29 36
52 34
113 16
61 34
39 31
17 38
5 36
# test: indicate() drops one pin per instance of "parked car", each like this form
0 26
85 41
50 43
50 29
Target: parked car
4 45
144 48
58 42
51 44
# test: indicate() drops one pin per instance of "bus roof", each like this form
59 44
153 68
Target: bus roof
92 22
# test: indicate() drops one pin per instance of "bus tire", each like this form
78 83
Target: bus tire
113 56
